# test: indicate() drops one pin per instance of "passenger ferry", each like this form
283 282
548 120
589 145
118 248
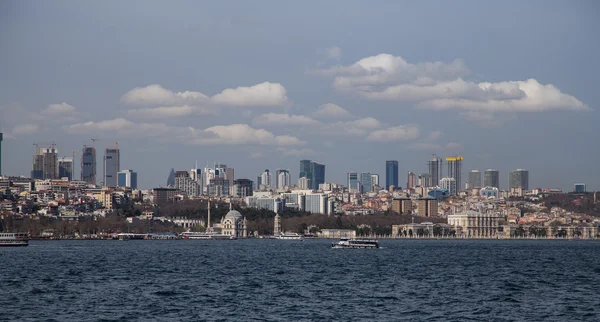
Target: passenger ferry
206 236
355 243
14 239
289 236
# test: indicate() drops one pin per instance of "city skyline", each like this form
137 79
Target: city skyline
351 103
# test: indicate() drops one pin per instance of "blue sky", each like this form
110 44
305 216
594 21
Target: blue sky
255 85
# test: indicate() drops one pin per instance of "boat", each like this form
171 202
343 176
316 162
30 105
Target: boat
355 243
206 236
289 236
14 239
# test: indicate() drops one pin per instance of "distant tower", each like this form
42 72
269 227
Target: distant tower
491 178
455 170
44 162
112 166
435 169
277 225
518 178
411 180
282 178
353 182
474 179
266 178
391 174
1 153
88 164
65 168
171 178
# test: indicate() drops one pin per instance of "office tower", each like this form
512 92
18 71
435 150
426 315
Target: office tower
1 138
425 180
186 182
411 180
230 174
209 174
366 185
171 178
391 174
449 184
266 179
304 183
375 180
491 178
88 165
218 187
243 188
474 179
313 171
353 183
518 178
282 178
221 171
435 169
580 188
65 168
127 178
112 165
258 182
455 170
44 163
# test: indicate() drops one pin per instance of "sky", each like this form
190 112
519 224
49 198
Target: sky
263 84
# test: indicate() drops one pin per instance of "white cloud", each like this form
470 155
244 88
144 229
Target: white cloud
331 111
334 53
358 127
263 94
122 127
435 135
243 134
157 95
171 112
396 133
284 119
59 109
442 85
295 152
24 129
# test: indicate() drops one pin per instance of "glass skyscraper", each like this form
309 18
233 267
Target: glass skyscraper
391 174
518 178
491 178
314 172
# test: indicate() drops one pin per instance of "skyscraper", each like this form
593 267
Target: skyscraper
518 178
491 178
353 183
171 178
304 183
282 178
435 169
411 180
391 174
127 178
474 179
449 184
425 180
65 168
112 165
375 179
242 188
266 178
44 164
313 171
366 183
88 164
185 183
455 170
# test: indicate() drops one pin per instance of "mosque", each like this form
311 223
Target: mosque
234 224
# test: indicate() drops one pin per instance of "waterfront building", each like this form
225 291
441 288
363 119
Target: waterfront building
491 178
127 178
265 179
243 188
365 183
435 169
353 182
65 168
450 185
474 179
282 178
473 224
580 188
455 171
337 233
402 206
234 224
112 165
313 171
391 174
427 207
411 180
518 178
44 163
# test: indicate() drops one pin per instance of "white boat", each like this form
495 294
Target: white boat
355 243
206 236
14 239
289 236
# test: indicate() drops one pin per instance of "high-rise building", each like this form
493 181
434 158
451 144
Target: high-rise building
304 183
435 169
112 165
88 165
366 185
518 178
44 164
209 174
474 179
65 168
425 180
580 188
221 171
313 171
427 207
411 180
317 204
282 178
230 174
266 179
449 184
455 170
171 178
218 187
491 178
391 174
353 182
186 184
243 188
127 178
196 175
375 180
1 138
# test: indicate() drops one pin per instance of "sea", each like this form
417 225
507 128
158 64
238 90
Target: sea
288 280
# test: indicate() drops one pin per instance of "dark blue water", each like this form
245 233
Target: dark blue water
271 280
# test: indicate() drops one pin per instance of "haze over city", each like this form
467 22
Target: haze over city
265 84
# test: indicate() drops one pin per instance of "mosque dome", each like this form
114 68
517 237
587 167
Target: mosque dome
234 215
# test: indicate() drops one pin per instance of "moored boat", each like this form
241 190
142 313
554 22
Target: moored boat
206 236
355 243
289 236
14 239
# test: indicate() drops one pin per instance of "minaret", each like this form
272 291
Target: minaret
208 229
277 224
